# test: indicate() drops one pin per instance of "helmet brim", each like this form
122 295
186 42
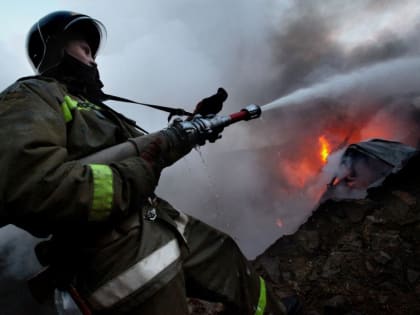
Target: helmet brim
91 30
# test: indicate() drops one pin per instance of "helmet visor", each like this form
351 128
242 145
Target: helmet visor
84 27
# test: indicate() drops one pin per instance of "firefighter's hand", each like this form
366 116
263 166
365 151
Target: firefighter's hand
199 129
167 146
162 148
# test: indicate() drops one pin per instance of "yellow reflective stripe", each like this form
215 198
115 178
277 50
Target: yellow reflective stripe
71 103
262 301
66 112
67 105
103 192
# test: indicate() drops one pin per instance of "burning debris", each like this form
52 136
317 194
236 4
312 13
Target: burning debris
356 256
365 165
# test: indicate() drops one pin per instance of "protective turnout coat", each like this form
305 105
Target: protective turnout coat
109 238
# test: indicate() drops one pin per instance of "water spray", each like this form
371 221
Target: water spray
366 81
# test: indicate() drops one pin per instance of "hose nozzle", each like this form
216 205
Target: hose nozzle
250 112
254 111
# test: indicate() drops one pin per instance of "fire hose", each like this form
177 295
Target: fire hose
206 125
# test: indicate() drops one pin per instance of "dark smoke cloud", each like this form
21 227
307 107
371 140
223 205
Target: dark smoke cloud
306 49
302 48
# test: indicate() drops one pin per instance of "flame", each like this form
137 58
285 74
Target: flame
298 168
300 163
325 148
300 171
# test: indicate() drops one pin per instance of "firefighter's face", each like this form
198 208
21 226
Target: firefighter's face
80 49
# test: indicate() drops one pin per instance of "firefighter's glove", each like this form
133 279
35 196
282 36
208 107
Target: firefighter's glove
161 149
212 104
199 129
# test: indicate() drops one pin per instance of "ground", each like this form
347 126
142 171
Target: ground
352 256
355 256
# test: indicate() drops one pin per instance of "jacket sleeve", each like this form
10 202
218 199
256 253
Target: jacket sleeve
42 191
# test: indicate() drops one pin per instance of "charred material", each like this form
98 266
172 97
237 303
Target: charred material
356 256
366 164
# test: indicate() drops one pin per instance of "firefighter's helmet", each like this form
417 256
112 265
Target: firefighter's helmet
46 38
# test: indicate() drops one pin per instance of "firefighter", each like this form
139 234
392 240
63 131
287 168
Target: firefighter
125 250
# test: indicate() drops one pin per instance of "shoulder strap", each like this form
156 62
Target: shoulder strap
170 110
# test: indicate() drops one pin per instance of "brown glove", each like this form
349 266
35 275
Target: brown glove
162 148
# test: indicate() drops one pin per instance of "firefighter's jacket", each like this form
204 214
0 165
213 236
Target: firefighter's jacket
46 191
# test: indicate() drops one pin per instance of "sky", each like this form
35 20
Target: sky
176 52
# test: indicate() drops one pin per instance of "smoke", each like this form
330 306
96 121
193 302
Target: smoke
8 69
349 88
17 264
319 39
342 64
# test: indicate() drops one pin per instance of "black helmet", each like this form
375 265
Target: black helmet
46 38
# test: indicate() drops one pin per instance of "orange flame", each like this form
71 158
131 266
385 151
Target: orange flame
325 149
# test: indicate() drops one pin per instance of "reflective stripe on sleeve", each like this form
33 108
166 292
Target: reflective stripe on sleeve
262 301
136 276
103 192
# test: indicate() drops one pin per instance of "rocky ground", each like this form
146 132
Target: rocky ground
356 256
352 256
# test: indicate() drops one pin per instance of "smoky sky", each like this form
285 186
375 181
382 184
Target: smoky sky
177 52
239 187
306 48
